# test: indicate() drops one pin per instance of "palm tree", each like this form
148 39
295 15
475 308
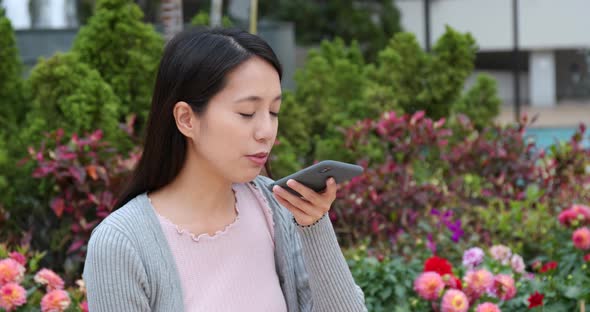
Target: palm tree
171 17
216 12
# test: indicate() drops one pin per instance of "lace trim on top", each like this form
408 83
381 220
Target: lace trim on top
197 237
266 206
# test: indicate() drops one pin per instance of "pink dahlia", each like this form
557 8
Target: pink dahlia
55 301
11 271
517 264
12 295
503 287
454 301
429 285
487 307
478 282
581 238
501 253
49 278
473 257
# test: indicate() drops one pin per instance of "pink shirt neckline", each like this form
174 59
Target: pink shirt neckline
203 236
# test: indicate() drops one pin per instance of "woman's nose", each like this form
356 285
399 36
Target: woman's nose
265 129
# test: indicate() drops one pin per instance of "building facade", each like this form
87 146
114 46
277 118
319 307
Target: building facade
553 42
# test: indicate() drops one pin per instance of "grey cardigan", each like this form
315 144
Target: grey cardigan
129 266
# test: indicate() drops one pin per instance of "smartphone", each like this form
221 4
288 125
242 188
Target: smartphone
315 176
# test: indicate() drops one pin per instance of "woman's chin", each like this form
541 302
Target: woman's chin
247 176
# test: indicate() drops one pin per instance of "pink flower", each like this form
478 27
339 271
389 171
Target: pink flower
573 214
18 257
11 271
429 285
84 306
454 301
81 285
473 257
12 295
517 264
501 253
487 307
55 301
49 278
503 287
478 282
581 238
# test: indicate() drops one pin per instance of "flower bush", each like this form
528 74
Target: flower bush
21 289
501 280
488 283
442 174
386 281
563 275
78 179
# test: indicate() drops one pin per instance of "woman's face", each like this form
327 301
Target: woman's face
238 128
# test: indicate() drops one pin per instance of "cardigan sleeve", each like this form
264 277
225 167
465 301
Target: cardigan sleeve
114 275
331 283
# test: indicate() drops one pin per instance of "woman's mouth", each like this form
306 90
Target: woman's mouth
258 159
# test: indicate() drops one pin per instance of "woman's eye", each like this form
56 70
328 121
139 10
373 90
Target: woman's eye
274 114
247 115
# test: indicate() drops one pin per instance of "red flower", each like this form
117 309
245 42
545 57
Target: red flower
587 257
536 300
453 282
537 265
549 266
438 265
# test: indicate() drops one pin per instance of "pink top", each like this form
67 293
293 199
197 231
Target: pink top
233 270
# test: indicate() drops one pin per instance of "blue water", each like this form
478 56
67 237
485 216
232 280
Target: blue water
545 137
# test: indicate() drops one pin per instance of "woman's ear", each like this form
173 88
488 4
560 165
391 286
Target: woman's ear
186 121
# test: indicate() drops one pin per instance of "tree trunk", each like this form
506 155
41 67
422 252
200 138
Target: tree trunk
216 13
171 17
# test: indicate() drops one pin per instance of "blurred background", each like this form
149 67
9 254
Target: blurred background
469 117
545 45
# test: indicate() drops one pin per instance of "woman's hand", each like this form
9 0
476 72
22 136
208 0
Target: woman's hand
311 206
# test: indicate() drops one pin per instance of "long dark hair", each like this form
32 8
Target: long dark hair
193 69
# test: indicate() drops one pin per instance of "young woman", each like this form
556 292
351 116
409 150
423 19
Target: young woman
197 229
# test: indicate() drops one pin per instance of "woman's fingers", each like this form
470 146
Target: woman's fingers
300 216
307 193
301 203
331 189
312 205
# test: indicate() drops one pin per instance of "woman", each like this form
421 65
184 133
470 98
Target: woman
197 229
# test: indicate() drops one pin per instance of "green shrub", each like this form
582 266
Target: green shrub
336 88
386 282
12 104
4 161
69 94
330 88
284 159
124 50
293 137
480 103
422 81
202 19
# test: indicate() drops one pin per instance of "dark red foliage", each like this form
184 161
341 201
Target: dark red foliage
85 174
